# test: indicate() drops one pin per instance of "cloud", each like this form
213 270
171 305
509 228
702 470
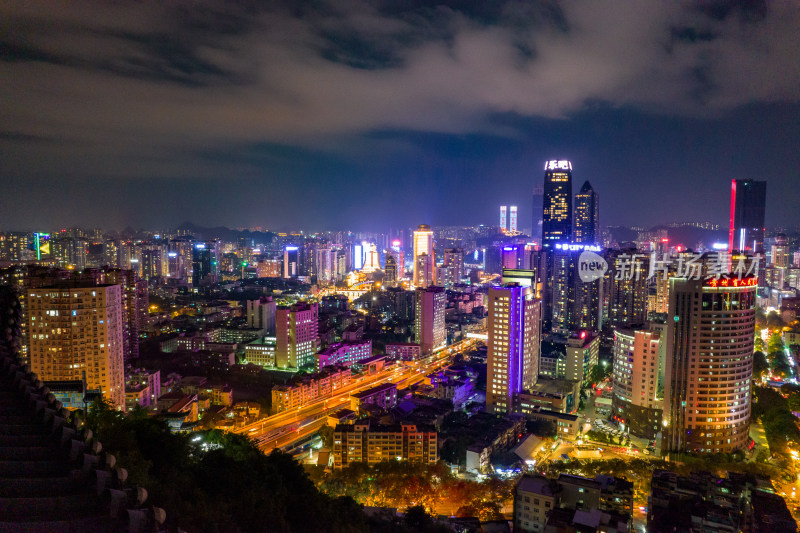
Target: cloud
143 88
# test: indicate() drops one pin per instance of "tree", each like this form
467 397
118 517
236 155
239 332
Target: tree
598 373
760 365
542 428
775 343
761 318
759 344
774 320
480 509
326 434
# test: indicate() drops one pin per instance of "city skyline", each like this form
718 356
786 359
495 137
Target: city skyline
340 116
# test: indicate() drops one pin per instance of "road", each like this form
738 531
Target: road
283 429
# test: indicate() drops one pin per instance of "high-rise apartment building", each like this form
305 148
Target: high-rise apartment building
557 203
748 207
425 270
423 245
261 314
514 325
586 228
779 253
569 357
709 364
638 374
76 333
135 306
454 261
297 336
429 326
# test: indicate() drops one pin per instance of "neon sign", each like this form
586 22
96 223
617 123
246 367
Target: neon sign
576 247
731 282
558 165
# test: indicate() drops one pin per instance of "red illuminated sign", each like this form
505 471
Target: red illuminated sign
732 282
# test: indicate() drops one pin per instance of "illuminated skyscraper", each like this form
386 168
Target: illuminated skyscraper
390 271
748 206
512 218
423 244
780 252
557 203
503 218
297 336
587 216
572 304
371 259
58 316
513 346
291 262
627 289
454 260
204 262
639 360
709 364
429 326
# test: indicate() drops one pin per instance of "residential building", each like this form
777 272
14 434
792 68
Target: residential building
368 442
76 333
514 326
638 377
384 396
429 319
569 357
297 336
344 353
261 315
403 351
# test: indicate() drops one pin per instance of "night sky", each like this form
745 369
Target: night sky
330 115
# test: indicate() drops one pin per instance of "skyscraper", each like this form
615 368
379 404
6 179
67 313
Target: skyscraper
513 346
58 316
291 262
536 220
423 244
297 335
454 260
503 218
571 303
638 374
557 203
390 271
204 262
587 216
748 205
627 292
429 326
512 219
709 364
